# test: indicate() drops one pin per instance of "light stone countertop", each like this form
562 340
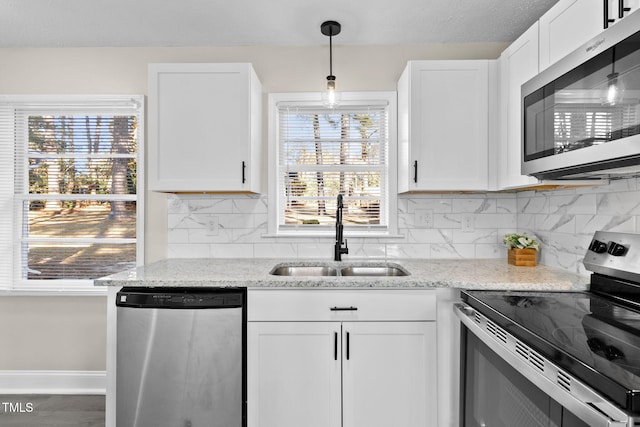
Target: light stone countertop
494 274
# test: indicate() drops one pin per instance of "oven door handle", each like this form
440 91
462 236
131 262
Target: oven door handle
589 407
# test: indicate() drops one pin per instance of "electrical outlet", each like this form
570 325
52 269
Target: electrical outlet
423 218
468 222
212 226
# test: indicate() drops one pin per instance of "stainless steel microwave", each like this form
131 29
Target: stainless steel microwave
581 116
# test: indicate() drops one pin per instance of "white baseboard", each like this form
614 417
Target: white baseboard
53 382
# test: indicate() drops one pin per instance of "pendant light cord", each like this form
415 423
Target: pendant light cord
330 29
330 53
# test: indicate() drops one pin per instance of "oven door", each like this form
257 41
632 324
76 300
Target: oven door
502 388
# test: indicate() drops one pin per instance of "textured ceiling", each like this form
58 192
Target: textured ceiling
64 23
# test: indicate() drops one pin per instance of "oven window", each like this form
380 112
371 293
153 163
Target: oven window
496 395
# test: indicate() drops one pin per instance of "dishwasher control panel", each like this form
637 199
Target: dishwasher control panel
181 297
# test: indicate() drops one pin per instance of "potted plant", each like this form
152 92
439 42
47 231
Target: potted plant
522 249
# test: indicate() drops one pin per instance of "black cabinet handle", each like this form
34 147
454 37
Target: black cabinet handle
607 21
348 345
335 346
244 166
622 9
415 171
344 309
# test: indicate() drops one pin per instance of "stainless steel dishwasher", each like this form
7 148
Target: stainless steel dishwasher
181 357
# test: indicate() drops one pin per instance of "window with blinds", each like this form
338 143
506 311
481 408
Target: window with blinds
75 187
323 153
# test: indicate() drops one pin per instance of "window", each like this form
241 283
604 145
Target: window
70 206
319 153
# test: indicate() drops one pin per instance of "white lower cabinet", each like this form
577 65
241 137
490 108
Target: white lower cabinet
293 377
389 374
356 367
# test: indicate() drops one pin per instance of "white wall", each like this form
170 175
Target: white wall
124 71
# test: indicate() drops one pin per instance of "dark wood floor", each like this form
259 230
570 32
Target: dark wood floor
51 411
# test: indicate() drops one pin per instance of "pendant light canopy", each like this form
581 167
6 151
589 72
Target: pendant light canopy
330 29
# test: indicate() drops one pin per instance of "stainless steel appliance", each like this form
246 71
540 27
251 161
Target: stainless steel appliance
557 358
581 116
181 358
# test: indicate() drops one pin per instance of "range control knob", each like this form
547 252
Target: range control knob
612 353
616 249
598 247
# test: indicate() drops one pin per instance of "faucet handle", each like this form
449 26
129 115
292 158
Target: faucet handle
346 247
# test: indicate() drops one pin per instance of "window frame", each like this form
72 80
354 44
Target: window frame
55 105
314 99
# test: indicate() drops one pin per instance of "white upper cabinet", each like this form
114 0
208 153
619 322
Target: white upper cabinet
518 63
628 6
571 23
566 26
204 128
443 126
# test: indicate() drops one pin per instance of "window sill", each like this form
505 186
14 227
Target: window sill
98 291
332 236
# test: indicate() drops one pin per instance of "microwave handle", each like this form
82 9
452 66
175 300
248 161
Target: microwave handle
583 407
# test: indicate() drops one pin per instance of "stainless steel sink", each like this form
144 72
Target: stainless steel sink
304 270
354 270
373 271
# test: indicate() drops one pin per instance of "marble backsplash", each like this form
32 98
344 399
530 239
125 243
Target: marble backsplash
564 221
464 225
229 227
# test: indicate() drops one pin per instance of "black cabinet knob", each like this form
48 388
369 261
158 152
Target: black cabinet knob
598 247
616 249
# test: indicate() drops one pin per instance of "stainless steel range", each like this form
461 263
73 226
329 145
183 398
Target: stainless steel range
557 358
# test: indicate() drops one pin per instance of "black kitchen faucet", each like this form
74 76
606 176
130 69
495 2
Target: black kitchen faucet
338 248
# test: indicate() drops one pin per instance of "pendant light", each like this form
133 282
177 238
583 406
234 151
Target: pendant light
330 29
615 89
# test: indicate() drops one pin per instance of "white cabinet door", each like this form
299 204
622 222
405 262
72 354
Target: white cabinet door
389 374
293 374
629 6
569 24
443 117
518 63
204 128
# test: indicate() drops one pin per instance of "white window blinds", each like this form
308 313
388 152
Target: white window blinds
74 187
323 153
581 125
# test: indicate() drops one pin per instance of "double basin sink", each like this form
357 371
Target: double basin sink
353 270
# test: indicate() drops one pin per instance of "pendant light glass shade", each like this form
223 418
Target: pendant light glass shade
615 90
331 98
